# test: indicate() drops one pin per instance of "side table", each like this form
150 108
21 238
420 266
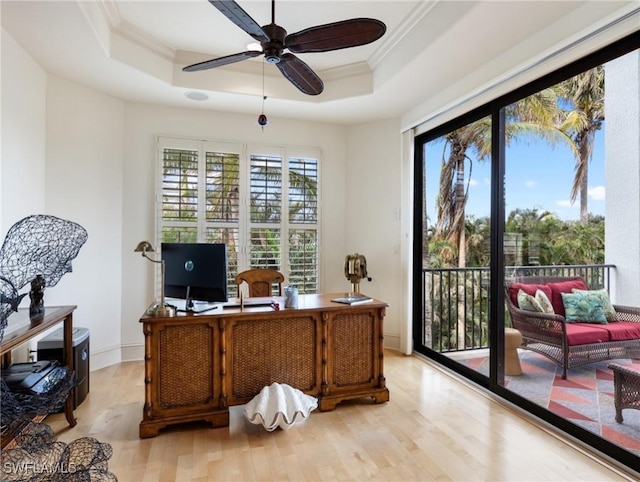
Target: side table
626 385
512 340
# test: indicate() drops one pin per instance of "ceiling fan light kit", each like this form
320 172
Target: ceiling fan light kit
274 41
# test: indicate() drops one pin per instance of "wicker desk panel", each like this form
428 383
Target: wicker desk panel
266 350
196 366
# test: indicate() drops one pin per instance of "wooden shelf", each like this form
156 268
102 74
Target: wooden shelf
20 328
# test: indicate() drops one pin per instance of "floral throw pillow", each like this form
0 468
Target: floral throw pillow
545 302
528 302
603 296
579 307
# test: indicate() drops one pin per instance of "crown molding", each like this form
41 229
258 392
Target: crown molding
133 34
412 22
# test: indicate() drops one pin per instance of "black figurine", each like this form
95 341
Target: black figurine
36 308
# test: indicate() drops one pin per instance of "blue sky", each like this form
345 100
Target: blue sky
537 176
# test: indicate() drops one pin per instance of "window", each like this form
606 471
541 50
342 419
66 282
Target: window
542 212
262 202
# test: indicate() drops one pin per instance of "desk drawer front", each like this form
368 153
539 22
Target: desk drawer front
186 365
352 341
264 351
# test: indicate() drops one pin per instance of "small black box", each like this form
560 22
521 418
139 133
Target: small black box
33 378
50 348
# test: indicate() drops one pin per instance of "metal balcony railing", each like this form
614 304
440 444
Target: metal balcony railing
455 301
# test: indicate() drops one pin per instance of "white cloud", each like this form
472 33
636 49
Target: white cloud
596 193
565 203
530 184
473 182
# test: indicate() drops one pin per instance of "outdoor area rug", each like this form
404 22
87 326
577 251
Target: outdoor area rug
585 397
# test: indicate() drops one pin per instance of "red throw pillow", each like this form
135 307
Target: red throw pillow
529 289
563 287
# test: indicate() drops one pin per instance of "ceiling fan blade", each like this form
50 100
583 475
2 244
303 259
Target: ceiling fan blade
336 36
300 74
220 61
242 19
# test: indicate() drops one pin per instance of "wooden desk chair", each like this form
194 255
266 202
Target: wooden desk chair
260 281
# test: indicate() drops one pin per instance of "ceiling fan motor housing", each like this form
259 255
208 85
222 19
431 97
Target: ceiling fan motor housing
273 48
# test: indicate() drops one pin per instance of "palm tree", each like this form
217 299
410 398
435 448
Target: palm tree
585 95
530 224
452 194
537 115
478 231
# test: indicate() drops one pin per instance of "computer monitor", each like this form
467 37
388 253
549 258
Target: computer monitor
195 272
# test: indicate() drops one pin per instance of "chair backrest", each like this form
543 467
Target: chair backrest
536 280
260 281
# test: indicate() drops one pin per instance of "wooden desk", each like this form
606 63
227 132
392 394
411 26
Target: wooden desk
20 328
198 365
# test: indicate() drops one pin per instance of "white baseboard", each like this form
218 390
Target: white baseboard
392 342
105 358
133 352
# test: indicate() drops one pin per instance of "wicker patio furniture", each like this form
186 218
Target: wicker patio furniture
626 385
572 344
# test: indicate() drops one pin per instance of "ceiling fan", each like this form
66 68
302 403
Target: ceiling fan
274 41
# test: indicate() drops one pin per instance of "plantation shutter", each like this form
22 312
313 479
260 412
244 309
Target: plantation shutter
261 202
303 220
266 212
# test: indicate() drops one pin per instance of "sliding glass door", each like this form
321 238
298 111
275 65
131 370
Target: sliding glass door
522 187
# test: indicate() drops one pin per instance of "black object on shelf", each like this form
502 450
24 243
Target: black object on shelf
38 388
51 348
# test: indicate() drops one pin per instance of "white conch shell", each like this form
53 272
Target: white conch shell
279 405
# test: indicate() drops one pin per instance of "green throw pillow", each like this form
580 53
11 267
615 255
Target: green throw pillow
603 296
579 307
528 302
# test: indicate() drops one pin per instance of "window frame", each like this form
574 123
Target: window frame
244 225
495 108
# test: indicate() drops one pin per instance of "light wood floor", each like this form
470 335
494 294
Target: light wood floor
435 427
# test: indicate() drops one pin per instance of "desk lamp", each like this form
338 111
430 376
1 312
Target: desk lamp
160 309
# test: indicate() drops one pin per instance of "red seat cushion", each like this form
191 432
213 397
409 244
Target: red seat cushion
584 333
529 289
622 330
563 287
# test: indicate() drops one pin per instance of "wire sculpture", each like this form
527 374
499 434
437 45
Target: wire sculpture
39 457
9 301
38 250
37 245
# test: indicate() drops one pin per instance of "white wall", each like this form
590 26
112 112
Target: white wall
62 155
622 171
373 202
91 158
145 122
84 162
22 165
22 162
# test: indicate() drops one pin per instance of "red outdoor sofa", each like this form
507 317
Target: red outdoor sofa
567 340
